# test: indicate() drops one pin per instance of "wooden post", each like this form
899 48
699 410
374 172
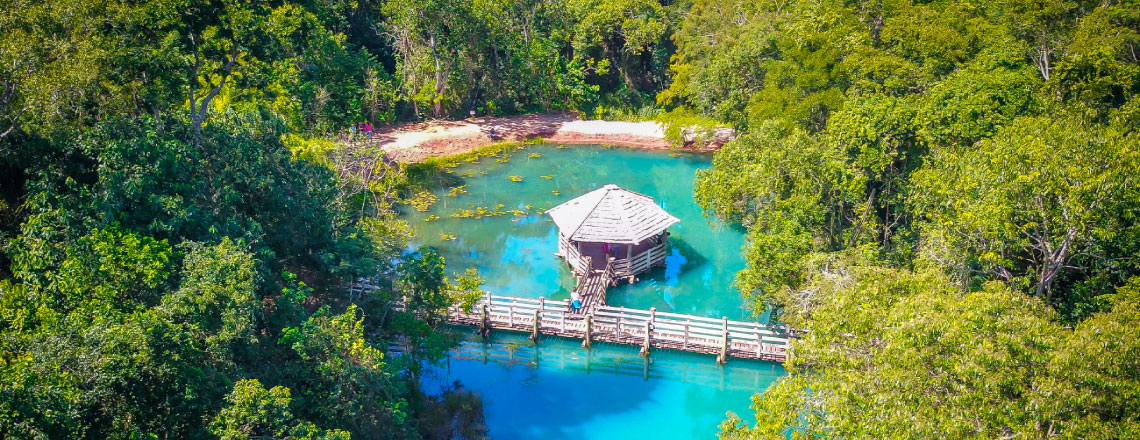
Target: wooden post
484 325
759 339
586 337
562 322
645 344
511 317
537 320
723 357
649 332
687 322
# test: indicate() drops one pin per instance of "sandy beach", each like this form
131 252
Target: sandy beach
415 142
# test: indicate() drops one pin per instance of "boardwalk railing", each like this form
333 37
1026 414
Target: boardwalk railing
579 262
648 328
641 262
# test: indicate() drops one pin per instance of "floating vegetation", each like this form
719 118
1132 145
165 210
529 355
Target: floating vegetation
446 237
493 150
608 146
515 178
478 212
463 213
539 212
674 154
555 192
431 218
561 147
504 159
548 177
469 174
528 207
483 173
422 201
534 155
457 190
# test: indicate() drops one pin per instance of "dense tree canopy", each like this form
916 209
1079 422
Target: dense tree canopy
941 196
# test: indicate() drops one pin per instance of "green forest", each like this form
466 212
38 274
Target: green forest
942 198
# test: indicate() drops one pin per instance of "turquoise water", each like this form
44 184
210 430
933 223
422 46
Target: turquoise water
557 389
515 253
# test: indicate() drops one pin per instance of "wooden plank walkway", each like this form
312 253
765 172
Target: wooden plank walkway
591 291
649 329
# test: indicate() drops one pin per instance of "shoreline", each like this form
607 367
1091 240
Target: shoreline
416 142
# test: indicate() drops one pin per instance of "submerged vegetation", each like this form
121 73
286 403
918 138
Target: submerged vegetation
943 195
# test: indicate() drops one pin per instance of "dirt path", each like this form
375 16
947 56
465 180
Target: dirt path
416 142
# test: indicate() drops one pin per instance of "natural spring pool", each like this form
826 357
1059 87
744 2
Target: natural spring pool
558 389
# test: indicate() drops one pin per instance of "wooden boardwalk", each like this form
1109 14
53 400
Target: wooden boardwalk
648 329
591 291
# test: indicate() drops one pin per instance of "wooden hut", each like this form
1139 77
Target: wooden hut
614 230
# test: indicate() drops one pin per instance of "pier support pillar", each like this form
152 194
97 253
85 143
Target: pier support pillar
648 332
722 358
484 322
586 337
537 321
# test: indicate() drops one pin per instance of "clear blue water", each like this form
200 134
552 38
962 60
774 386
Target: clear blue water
548 391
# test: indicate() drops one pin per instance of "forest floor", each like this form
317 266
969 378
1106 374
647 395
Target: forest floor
415 142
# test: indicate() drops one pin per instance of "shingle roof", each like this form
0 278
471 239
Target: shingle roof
611 214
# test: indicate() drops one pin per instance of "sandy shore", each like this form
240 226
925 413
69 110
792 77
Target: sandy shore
416 142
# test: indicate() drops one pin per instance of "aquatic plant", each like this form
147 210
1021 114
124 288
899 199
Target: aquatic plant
561 147
515 178
457 190
422 201
548 177
446 237
431 218
534 155
555 192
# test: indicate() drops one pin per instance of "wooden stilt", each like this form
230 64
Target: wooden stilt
484 323
648 332
723 357
586 337
538 319
645 344
534 331
759 339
